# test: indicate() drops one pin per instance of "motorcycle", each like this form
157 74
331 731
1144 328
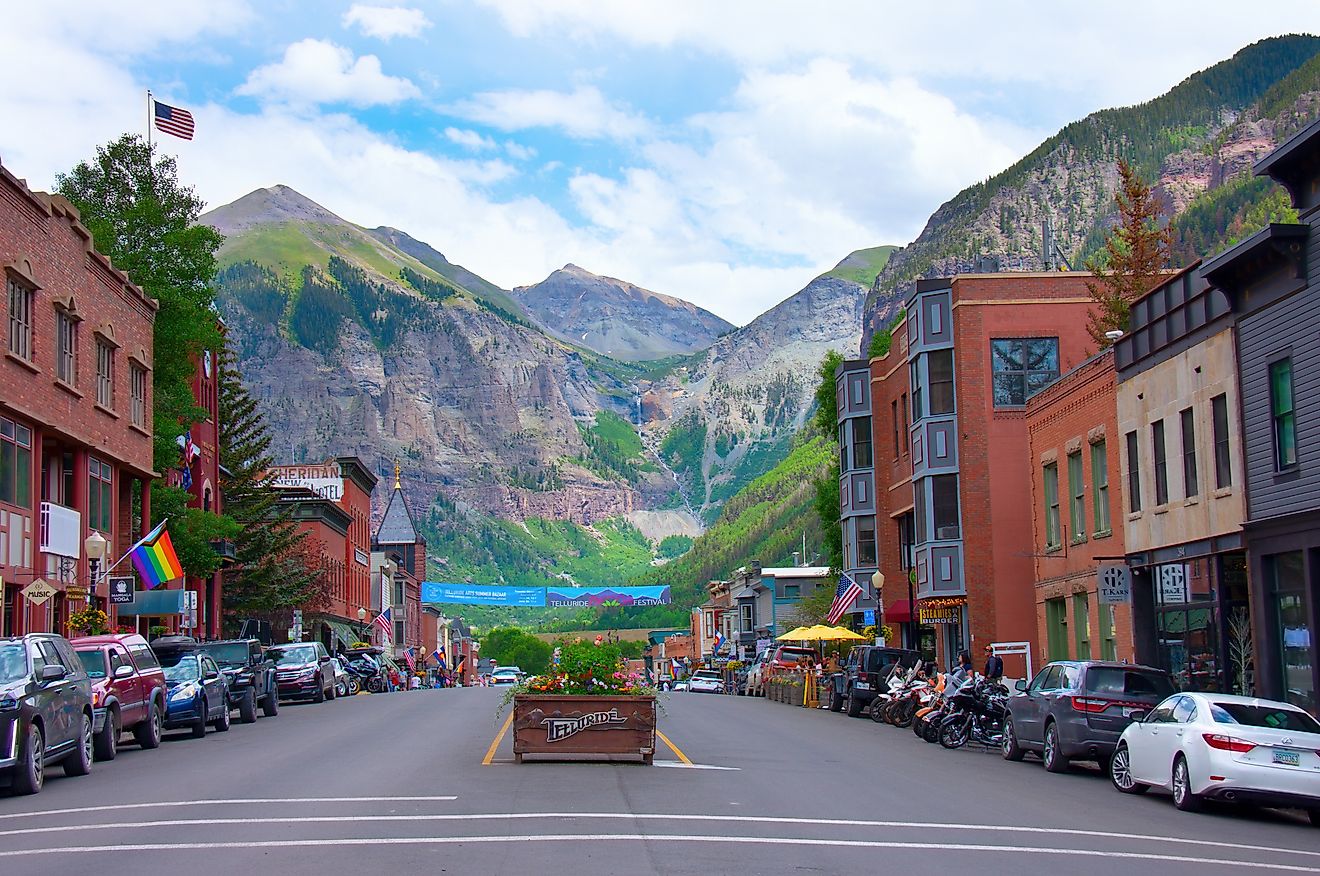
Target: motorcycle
364 673
893 682
978 711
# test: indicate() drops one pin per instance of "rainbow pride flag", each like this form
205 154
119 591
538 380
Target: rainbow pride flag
155 559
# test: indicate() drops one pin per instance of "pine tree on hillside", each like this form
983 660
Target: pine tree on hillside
1134 257
274 571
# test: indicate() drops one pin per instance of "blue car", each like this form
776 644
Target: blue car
197 692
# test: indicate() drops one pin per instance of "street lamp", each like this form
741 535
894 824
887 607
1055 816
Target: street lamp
362 624
96 547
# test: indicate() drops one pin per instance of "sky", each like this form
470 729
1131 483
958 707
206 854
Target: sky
724 152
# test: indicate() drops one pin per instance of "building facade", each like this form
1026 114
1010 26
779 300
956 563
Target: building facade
398 539
857 485
75 411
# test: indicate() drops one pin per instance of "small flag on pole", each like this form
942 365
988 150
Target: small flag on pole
383 621
174 121
719 643
844 596
155 559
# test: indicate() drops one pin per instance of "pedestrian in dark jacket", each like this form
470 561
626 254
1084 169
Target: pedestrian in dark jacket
994 664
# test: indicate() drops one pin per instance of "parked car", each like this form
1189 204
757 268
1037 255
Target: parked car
682 684
1076 710
341 677
503 675
706 681
128 691
303 672
1213 746
863 675
251 677
45 710
773 659
198 692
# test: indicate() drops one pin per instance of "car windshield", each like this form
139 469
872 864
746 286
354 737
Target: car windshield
1117 681
293 656
184 667
1273 717
230 654
13 662
706 673
94 662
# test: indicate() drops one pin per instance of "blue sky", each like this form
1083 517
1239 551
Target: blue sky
722 152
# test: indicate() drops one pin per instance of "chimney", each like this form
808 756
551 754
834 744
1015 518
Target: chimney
797 558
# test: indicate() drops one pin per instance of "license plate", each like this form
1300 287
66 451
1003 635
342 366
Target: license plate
861 685
1288 758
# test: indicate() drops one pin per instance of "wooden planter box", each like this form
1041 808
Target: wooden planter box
557 724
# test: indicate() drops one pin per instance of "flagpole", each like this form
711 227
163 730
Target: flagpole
148 121
141 541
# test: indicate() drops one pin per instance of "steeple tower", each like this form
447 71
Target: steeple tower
398 535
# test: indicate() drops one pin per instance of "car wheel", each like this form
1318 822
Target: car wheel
199 727
247 710
319 696
836 701
79 761
1011 750
30 771
222 723
1120 772
1055 762
149 731
1183 797
853 706
106 744
270 706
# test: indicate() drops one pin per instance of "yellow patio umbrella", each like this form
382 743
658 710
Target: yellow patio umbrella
821 632
794 635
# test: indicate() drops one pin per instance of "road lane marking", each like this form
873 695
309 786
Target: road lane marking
160 804
653 838
693 766
490 752
662 816
674 748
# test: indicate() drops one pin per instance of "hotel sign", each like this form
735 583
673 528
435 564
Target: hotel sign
325 479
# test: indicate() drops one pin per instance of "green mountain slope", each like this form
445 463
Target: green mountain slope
864 265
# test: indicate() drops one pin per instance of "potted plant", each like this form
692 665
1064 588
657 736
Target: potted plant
89 621
588 703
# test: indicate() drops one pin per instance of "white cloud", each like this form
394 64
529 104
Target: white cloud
472 140
386 22
518 151
584 113
315 71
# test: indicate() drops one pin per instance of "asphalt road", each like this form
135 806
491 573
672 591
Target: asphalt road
396 783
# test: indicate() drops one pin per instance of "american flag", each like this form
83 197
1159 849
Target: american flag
844 596
410 656
174 121
383 621
190 451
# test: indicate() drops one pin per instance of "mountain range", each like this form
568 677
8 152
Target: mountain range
550 430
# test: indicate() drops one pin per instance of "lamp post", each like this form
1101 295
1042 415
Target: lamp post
362 625
96 547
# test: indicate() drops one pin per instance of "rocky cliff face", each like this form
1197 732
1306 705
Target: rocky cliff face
617 318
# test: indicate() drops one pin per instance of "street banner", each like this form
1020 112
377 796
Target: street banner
593 597
480 594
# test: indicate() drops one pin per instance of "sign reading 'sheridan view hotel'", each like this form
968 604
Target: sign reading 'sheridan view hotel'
323 478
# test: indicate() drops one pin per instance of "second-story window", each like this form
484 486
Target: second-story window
1022 367
1052 537
105 375
1100 487
1076 497
940 366
1281 411
100 492
138 391
20 319
944 507
866 541
1219 418
66 347
15 463
1134 472
914 378
1190 478
894 410
861 442
1160 462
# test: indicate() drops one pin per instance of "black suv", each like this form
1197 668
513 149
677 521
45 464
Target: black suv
863 675
45 710
251 677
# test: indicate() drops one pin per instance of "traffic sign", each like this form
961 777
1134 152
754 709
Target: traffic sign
38 592
121 591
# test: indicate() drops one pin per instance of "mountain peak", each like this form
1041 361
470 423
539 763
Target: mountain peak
279 203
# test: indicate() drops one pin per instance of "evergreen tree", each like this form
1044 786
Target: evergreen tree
1134 257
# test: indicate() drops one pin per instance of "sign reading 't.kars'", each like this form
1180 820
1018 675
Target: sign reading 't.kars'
1114 583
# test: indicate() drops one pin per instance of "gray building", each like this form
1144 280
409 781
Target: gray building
852 387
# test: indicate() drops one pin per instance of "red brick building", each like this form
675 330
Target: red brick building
1077 515
75 407
398 539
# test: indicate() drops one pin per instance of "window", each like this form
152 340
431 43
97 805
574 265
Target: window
1052 539
1190 487
1056 633
1134 473
66 347
105 375
843 446
944 506
1022 367
398 632
914 379
138 391
1076 497
15 463
20 319
1285 422
100 504
1082 625
919 512
939 364
904 407
792 591
1100 487
1161 464
861 441
866 541
894 409
745 618
1223 468
1108 634
1292 623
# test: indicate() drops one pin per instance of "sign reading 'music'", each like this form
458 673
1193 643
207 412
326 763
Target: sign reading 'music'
557 729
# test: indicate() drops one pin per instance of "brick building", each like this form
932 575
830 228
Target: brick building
75 408
398 539
1077 515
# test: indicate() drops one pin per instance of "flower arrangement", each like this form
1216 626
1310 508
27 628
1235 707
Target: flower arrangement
586 669
89 621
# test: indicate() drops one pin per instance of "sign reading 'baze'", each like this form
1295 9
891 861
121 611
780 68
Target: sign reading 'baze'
557 729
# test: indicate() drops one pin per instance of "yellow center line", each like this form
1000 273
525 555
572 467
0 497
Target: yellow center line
674 748
490 752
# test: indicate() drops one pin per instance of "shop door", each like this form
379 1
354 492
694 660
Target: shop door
1187 624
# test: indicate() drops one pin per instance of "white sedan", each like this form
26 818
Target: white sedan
503 676
1205 746
706 681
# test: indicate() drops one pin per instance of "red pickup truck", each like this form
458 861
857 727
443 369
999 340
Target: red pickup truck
128 690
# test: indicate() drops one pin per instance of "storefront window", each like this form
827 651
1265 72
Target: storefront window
1293 630
1108 633
1187 624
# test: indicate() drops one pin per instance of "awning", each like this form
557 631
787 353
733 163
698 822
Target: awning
346 634
153 602
898 612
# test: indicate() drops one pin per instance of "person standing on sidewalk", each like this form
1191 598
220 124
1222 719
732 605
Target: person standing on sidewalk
994 665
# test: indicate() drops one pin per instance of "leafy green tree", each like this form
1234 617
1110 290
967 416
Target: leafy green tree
1134 257
882 340
827 406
